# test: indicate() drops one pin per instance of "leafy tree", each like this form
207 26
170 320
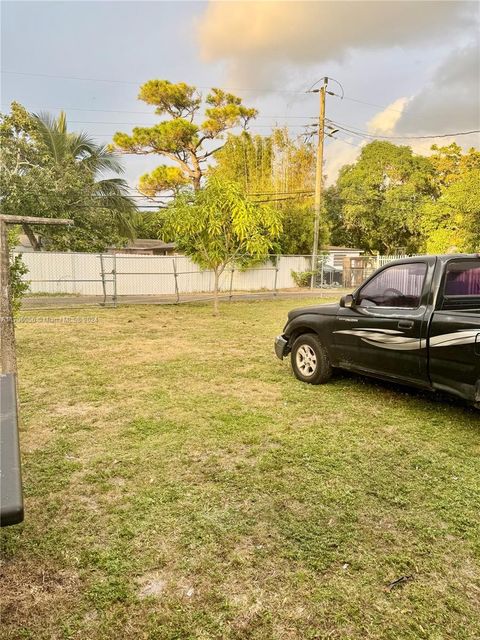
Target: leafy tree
219 226
452 222
247 160
450 163
339 234
280 170
382 195
48 172
179 138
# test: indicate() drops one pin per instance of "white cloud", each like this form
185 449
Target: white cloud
385 122
450 101
257 40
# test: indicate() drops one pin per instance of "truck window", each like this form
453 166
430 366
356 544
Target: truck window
397 286
463 279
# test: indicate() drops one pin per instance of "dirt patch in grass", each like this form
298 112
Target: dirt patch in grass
48 589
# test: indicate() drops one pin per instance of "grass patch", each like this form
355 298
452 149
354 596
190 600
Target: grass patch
181 484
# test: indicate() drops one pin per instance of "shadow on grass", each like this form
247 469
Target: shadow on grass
430 398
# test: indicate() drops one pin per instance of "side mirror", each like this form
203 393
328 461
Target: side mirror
347 301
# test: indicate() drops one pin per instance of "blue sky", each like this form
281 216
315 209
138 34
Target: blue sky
378 58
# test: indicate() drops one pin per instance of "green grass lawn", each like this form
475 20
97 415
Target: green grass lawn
181 484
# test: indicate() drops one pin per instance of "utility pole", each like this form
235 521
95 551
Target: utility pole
318 176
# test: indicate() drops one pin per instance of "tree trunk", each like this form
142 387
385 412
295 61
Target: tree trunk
27 229
197 177
215 290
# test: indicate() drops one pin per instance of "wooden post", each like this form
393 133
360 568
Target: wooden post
7 332
8 358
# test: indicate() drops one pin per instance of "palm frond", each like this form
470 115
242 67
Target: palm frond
114 197
81 149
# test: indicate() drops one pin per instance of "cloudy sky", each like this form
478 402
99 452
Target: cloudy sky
406 68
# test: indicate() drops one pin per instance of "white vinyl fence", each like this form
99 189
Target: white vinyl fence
107 275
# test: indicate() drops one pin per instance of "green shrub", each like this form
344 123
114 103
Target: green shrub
302 278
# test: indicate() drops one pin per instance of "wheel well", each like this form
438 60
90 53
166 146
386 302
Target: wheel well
300 331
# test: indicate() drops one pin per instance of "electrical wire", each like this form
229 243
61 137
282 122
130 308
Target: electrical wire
370 104
365 134
255 89
282 193
152 124
136 83
146 113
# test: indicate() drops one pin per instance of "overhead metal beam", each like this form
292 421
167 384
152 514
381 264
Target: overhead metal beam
33 220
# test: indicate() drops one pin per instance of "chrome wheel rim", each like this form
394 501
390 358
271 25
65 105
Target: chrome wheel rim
306 360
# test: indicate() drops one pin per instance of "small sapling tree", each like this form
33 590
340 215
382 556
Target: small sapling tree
219 226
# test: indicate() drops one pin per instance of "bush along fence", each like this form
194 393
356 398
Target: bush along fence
111 278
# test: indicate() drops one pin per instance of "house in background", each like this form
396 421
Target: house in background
146 247
336 255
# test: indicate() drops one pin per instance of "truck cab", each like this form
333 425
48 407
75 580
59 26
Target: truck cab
414 321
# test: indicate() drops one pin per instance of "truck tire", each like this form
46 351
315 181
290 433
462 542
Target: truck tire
310 362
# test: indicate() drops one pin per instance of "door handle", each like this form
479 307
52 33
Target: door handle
405 324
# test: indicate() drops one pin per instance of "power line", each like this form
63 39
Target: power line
137 83
150 125
287 199
358 146
365 134
370 104
281 193
241 89
147 113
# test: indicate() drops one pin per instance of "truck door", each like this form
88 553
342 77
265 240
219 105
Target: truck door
454 344
385 331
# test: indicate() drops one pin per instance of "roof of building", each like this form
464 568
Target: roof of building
147 243
347 249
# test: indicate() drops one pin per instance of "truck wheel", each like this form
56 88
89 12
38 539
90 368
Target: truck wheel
310 361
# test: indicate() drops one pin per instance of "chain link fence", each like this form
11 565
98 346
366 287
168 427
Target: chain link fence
81 279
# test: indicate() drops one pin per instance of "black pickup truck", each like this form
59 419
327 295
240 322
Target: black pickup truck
414 321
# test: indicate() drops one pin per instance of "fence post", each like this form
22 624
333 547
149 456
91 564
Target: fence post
231 283
74 274
102 273
176 279
114 274
277 268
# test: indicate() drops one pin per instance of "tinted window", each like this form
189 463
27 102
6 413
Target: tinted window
399 286
463 279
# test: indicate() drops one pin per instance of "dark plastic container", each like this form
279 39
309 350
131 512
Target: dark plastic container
11 495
